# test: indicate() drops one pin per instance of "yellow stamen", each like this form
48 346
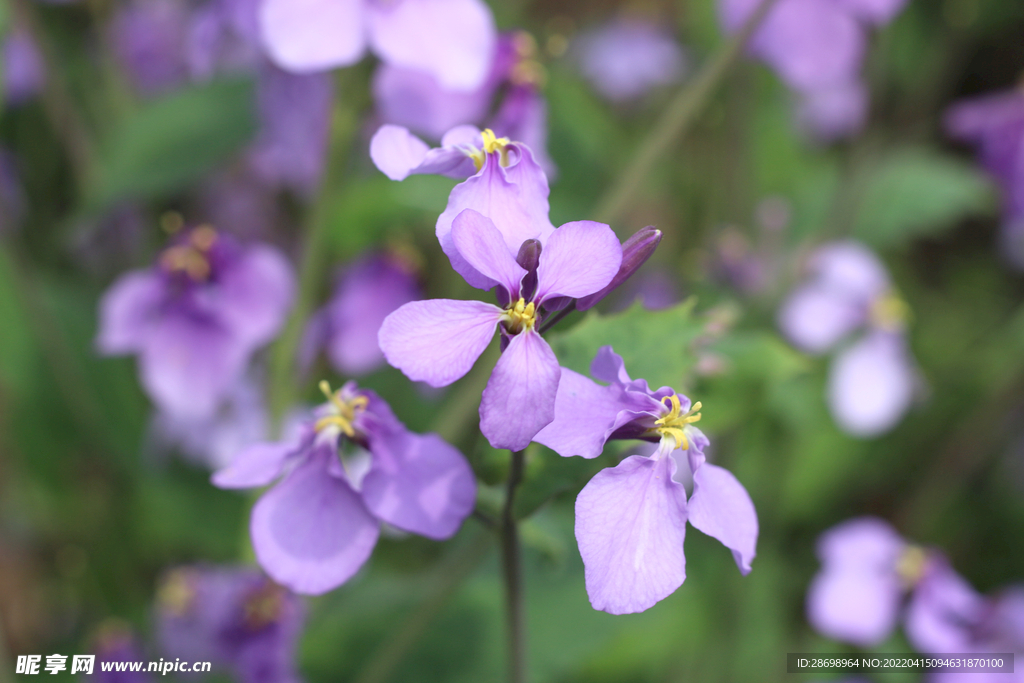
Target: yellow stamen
890 312
203 237
191 257
263 606
491 144
177 592
911 564
347 411
521 316
674 424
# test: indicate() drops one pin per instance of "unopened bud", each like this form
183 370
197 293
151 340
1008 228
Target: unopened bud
529 258
635 252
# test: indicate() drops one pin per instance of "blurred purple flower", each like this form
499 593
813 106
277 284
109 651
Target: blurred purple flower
872 381
508 187
452 40
116 643
196 317
631 519
13 202
437 341
235 618
626 58
835 111
318 525
149 37
24 73
995 125
366 293
223 37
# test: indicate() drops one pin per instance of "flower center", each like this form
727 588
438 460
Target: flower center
263 606
675 423
522 316
911 564
192 257
343 412
890 312
177 593
491 144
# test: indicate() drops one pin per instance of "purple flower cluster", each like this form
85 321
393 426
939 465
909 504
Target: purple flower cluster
872 380
817 47
319 523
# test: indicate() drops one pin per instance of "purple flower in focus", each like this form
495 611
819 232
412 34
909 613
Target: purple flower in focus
871 381
367 292
196 317
626 58
148 37
23 71
631 519
318 524
437 341
995 125
452 40
235 618
508 186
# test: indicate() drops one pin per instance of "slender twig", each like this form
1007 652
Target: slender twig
446 580
678 117
512 571
548 324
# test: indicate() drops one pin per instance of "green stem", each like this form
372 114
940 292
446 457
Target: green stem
676 120
512 571
548 324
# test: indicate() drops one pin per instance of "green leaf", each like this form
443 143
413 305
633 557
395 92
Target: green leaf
914 192
175 140
655 345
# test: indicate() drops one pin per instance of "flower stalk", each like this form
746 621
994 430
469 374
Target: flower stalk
511 561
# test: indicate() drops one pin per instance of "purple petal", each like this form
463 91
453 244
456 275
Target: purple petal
942 611
586 414
437 341
127 312
414 99
257 465
624 59
312 532
397 153
721 508
519 399
630 526
188 366
608 366
861 542
851 268
255 294
452 40
878 12
419 483
484 249
871 384
579 258
815 318
834 111
313 35
523 117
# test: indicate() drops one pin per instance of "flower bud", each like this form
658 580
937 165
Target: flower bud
635 252
529 258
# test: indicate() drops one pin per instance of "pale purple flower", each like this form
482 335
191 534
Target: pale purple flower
149 37
24 73
872 380
233 617
452 40
503 182
437 341
366 293
995 124
631 519
116 644
833 111
224 37
318 524
626 58
196 317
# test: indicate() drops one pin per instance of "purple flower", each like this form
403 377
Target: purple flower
196 317
148 37
995 124
834 111
626 58
224 37
871 382
116 644
508 187
236 618
438 341
367 292
23 70
631 519
317 526
452 40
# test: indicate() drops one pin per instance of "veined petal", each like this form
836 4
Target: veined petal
312 532
484 248
127 310
419 483
313 35
608 366
519 399
630 526
438 340
579 258
452 40
721 508
257 465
